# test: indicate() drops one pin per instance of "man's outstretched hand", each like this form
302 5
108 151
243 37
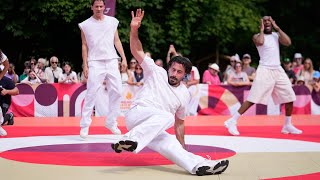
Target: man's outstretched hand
136 19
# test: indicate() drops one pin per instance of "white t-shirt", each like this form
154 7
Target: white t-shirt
124 77
4 57
158 93
239 77
269 52
72 75
194 74
49 73
100 37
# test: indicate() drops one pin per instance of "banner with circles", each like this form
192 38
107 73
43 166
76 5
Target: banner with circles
64 100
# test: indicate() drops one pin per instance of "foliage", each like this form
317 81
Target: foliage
197 28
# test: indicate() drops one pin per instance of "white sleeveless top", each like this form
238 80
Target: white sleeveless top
99 35
269 52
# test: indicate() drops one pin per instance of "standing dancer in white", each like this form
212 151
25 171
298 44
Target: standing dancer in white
99 37
160 103
271 79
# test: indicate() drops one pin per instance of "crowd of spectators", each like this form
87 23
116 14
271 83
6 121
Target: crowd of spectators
238 72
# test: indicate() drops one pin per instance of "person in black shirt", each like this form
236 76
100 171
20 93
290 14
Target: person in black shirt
7 89
287 68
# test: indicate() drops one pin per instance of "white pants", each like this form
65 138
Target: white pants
148 126
98 72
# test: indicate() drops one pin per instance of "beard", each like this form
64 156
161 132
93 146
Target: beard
173 81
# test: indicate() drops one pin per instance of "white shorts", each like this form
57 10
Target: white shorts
274 82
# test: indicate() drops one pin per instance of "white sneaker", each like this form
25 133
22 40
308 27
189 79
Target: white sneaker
84 132
2 132
210 167
290 129
114 129
232 127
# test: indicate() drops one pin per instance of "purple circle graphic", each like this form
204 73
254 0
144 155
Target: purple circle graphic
46 94
101 154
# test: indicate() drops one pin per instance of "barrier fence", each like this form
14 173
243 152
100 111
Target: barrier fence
52 100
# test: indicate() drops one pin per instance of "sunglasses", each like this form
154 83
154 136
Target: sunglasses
54 62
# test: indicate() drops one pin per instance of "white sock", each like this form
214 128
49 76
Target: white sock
288 120
235 116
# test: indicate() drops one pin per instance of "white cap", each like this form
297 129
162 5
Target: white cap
297 55
215 67
246 56
235 58
300 78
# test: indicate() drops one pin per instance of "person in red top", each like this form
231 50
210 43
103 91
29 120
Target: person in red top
297 64
211 75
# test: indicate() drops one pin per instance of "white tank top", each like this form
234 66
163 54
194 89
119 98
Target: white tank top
99 35
269 52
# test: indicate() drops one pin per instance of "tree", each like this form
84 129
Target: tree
30 27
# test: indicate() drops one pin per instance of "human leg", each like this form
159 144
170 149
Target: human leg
144 124
168 146
288 127
260 91
231 124
283 94
96 76
114 88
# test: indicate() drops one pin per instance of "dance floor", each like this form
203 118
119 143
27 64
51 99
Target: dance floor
51 149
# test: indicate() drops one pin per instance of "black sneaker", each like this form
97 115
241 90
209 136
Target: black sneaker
5 120
10 119
210 167
126 145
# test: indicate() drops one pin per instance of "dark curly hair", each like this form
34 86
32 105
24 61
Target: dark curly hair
186 63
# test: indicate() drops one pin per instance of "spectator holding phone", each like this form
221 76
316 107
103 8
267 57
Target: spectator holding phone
68 75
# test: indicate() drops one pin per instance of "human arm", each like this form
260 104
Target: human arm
284 39
120 50
171 52
246 80
84 51
205 77
74 77
252 76
132 82
12 92
258 39
192 82
62 79
6 65
135 43
229 80
179 131
15 76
